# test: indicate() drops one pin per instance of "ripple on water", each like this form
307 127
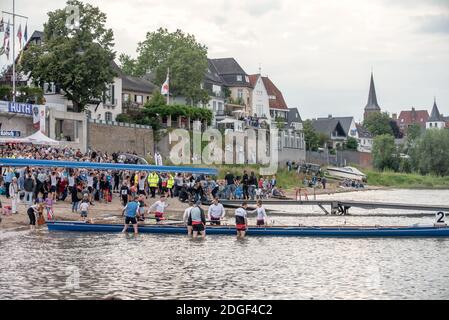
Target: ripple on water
46 265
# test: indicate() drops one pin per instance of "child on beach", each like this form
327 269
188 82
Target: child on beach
49 202
84 208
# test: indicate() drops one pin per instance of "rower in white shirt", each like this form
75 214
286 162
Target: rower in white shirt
262 217
216 212
159 208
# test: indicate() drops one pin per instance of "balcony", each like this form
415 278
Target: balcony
131 105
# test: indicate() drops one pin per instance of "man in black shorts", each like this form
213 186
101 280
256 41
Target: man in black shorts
198 219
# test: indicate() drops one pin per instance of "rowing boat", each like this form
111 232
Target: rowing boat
298 231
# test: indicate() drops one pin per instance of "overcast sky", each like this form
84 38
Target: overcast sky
319 53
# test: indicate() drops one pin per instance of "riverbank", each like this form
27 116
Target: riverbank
406 180
111 212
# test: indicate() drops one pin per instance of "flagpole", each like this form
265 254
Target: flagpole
13 51
13 14
168 93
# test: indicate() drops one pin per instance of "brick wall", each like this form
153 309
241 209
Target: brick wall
120 137
363 159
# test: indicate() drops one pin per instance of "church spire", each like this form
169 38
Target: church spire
372 104
435 115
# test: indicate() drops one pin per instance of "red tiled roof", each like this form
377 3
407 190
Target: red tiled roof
407 118
272 90
253 79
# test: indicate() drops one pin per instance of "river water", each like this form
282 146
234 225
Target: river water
93 266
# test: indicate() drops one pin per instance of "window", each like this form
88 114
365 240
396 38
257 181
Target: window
239 78
148 98
89 114
216 89
138 98
126 97
112 94
108 116
214 108
240 93
430 125
246 78
272 97
220 106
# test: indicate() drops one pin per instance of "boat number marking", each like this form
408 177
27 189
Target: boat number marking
440 217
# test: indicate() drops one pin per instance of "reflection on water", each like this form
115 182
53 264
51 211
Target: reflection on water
86 266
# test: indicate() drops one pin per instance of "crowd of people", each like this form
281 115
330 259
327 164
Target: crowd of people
41 188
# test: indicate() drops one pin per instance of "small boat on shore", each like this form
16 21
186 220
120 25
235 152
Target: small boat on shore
347 173
428 231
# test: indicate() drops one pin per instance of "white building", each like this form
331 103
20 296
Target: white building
260 101
436 120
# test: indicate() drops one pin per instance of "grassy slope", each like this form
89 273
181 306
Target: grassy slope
409 181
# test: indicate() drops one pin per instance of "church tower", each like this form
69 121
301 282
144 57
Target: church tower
436 120
372 106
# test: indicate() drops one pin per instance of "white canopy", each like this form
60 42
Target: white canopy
36 138
227 120
40 138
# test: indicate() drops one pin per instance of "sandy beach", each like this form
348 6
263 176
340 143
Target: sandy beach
111 212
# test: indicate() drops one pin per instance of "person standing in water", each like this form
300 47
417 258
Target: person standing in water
131 211
216 212
198 219
186 218
32 211
262 217
241 221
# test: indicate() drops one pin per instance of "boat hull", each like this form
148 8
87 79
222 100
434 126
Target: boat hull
262 231
341 173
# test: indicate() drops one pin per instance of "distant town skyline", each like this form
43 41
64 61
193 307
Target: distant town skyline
320 54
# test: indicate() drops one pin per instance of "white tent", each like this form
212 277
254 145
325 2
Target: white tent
40 138
227 121
36 138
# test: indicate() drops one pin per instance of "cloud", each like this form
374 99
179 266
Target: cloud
261 7
319 53
434 24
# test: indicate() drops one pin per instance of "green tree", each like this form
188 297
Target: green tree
384 152
310 136
432 152
79 60
157 100
351 143
25 94
127 64
322 139
186 58
413 132
378 124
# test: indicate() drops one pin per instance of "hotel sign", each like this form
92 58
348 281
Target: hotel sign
23 108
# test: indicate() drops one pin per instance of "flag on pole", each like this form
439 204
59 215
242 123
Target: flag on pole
19 35
6 35
7 50
25 34
2 26
165 89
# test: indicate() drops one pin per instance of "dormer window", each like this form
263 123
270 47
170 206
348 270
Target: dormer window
246 78
239 78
